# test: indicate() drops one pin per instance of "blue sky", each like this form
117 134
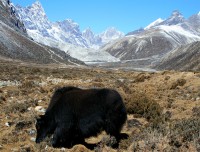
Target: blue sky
125 15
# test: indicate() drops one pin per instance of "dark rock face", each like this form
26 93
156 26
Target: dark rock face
186 58
9 16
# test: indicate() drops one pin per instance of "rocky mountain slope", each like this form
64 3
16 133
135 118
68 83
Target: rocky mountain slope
64 35
183 58
15 43
157 39
9 17
150 43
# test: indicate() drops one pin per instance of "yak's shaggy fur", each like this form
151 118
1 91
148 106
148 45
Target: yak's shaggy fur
75 114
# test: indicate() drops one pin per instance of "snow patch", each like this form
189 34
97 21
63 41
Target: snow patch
140 45
175 29
156 22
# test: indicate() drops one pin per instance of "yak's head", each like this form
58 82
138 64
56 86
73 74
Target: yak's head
42 128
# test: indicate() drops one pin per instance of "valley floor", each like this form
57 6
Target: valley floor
163 107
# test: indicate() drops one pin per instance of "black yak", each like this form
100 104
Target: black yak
75 114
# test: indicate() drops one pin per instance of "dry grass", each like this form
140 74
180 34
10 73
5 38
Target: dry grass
163 107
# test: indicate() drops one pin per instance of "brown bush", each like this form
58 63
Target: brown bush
142 78
2 99
196 111
140 104
16 107
27 85
179 82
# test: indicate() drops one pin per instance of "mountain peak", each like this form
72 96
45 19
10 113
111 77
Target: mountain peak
37 3
176 13
88 30
111 33
37 7
175 18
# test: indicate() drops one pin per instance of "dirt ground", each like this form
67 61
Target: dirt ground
163 107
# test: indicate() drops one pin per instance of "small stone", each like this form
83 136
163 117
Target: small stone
32 132
30 108
62 149
40 109
7 124
46 148
33 139
14 150
39 101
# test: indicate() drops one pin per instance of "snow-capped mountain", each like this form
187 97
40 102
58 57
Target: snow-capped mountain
157 39
36 21
15 43
92 39
65 35
192 24
111 34
175 18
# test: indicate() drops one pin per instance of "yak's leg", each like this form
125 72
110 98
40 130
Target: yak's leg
63 136
113 128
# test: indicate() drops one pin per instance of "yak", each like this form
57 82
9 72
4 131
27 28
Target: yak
74 114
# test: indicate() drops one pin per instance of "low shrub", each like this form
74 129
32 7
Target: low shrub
141 78
16 107
125 144
187 129
140 104
178 82
196 111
